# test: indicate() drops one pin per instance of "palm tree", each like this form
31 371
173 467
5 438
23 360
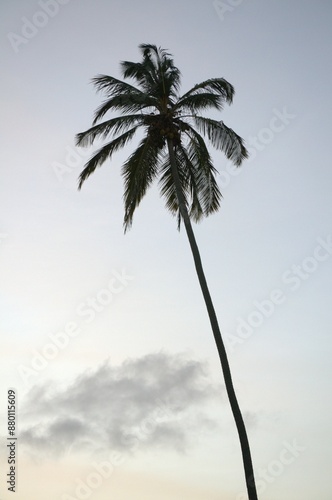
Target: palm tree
173 151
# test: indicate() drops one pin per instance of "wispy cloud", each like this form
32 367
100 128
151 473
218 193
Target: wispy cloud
155 400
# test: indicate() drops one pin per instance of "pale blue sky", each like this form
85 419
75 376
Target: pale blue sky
267 256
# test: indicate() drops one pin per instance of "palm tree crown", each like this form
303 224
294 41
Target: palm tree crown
156 106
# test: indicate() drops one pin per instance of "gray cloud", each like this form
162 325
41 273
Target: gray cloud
152 401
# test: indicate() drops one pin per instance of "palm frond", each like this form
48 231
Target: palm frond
161 55
126 103
191 193
112 86
156 74
138 172
166 181
203 174
162 61
223 138
197 179
198 102
217 86
143 73
115 126
104 153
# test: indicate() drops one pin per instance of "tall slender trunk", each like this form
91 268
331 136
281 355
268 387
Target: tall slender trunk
246 455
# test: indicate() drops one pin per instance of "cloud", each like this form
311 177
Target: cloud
152 401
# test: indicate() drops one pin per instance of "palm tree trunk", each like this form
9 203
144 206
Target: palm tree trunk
246 455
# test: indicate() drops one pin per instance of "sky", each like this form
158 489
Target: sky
104 336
